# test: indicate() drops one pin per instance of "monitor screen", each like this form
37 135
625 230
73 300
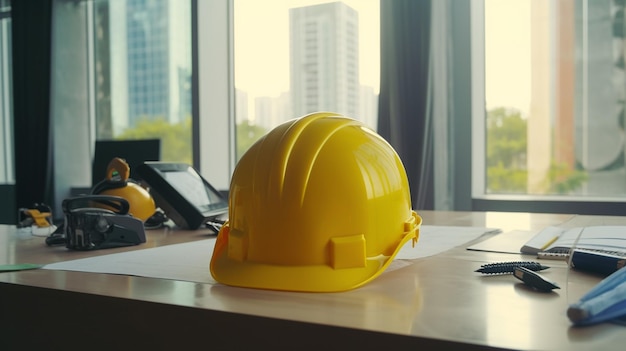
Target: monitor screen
183 194
191 186
134 152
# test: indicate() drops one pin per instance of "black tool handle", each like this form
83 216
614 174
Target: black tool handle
534 279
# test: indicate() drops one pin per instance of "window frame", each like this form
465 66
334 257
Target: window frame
213 91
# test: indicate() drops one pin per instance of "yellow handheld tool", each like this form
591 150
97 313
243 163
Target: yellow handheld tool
38 215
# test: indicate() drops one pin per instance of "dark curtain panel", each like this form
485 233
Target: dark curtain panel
31 23
404 101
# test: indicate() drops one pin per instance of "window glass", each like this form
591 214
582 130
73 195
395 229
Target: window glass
555 93
297 57
143 72
7 173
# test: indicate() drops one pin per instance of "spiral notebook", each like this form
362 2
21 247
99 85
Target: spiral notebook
555 241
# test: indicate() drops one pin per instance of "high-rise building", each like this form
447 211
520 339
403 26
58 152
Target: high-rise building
324 51
147 45
150 59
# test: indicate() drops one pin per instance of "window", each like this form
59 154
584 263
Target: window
143 77
554 93
311 56
142 60
7 175
120 70
547 76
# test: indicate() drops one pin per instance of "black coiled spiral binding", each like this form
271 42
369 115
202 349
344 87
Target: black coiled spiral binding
509 267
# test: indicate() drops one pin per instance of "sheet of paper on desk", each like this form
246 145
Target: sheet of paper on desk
508 242
187 262
436 239
190 261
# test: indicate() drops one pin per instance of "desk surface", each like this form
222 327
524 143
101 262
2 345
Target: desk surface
437 301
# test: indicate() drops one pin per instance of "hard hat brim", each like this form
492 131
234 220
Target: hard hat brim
305 278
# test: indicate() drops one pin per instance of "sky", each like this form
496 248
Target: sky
262 44
507 54
262 48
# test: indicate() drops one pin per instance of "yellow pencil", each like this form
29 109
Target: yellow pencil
550 242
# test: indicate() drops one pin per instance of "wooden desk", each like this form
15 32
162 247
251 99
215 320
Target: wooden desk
436 302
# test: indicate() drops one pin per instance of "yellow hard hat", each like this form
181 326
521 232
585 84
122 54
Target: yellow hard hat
118 183
319 204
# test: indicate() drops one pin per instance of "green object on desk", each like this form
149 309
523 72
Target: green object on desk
19 267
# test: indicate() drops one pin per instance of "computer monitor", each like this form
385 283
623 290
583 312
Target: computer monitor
135 152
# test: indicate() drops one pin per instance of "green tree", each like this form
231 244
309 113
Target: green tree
247 135
506 151
175 138
506 158
563 180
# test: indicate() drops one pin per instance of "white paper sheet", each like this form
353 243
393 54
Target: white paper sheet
508 242
190 261
187 262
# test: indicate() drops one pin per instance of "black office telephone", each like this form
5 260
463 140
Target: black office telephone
183 194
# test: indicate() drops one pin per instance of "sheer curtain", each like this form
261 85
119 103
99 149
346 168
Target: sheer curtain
425 104
404 108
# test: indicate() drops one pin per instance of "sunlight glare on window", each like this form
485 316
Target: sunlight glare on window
555 94
298 57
